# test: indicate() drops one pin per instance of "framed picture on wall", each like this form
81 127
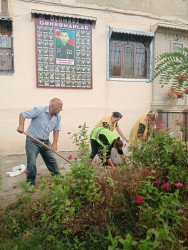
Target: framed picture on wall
63 52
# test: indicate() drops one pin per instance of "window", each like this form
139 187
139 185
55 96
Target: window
6 50
129 55
177 47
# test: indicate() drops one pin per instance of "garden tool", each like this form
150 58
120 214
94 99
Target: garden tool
45 146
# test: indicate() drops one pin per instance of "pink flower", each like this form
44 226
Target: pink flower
69 157
179 77
163 132
152 166
152 123
179 184
75 158
181 211
155 146
139 199
161 122
159 127
146 119
156 182
164 207
179 95
145 170
166 185
38 174
149 174
95 161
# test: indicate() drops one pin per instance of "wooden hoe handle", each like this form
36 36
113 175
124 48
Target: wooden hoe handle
43 144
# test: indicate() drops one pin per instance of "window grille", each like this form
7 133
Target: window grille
6 46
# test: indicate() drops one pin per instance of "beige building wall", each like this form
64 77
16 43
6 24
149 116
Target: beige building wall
175 8
19 91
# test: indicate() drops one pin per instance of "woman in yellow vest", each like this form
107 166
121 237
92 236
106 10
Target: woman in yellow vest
140 130
102 140
111 122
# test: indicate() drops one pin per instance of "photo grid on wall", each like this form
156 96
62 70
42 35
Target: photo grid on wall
63 52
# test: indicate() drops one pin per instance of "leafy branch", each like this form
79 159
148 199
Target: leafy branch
172 67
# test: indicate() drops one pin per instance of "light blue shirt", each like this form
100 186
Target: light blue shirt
41 125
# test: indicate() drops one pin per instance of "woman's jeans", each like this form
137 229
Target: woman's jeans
33 148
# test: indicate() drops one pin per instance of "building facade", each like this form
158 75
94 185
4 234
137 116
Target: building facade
96 56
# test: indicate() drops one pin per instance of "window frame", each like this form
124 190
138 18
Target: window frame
150 58
8 49
175 42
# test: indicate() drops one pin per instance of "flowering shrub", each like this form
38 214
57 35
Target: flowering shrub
181 79
164 154
163 161
174 93
140 206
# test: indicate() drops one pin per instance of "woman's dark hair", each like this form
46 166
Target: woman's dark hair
118 144
117 115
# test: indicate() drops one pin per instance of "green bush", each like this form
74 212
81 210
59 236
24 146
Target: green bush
139 206
163 156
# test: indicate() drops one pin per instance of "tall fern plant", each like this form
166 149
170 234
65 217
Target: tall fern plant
172 67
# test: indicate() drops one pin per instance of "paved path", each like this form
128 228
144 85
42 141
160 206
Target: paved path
10 187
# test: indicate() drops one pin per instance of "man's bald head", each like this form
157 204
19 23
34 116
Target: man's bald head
55 106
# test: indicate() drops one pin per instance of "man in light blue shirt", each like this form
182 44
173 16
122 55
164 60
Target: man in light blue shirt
43 121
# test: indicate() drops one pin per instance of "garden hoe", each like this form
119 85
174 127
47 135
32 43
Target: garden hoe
45 146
